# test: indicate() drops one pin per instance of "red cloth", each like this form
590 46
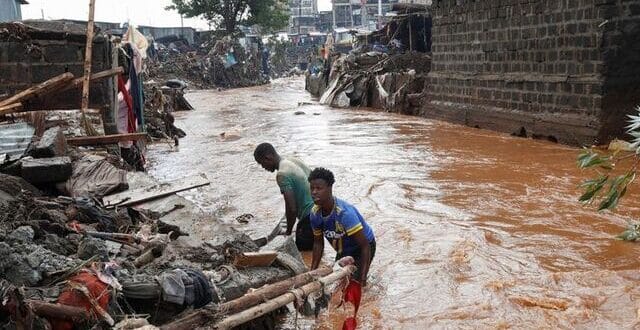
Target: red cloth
352 294
71 297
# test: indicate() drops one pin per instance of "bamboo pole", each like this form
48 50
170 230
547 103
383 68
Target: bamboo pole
255 297
105 139
11 108
95 76
58 311
87 57
289 297
43 88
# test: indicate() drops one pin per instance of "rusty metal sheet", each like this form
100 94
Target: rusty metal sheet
14 140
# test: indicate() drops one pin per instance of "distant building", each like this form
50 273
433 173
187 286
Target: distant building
10 10
303 15
324 23
418 2
360 13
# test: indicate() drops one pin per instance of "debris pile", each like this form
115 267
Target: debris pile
387 70
223 63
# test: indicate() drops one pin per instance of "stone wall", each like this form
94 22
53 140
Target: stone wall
45 54
566 70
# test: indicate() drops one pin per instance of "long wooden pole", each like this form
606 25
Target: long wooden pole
205 315
87 57
289 297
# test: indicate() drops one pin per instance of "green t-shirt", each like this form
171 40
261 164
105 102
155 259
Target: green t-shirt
293 176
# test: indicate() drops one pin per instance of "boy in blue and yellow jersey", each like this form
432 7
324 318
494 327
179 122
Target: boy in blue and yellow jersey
341 224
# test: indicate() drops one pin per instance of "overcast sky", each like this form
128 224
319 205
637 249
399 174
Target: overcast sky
138 12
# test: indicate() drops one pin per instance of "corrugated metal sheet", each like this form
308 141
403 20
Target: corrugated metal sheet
10 10
14 140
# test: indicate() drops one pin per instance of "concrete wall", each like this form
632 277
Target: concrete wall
48 54
567 70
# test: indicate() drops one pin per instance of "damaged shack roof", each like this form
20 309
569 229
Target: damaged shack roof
41 29
14 140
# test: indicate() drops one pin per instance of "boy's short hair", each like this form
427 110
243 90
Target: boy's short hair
322 173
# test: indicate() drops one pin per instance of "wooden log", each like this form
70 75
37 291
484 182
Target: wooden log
105 139
43 88
75 83
282 300
11 108
203 316
70 313
87 57
148 256
141 195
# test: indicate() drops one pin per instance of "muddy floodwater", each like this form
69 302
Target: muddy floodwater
475 229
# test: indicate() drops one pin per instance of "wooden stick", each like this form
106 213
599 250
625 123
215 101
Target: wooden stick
280 301
43 88
209 314
78 82
11 108
57 311
87 57
105 139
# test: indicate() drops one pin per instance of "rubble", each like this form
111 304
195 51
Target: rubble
72 257
46 170
52 143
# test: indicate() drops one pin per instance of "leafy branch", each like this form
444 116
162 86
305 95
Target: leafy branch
606 189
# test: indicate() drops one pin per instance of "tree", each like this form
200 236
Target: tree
611 182
270 14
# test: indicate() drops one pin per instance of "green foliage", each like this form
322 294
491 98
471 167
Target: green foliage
269 14
607 189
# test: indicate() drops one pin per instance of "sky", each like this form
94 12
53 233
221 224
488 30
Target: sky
138 12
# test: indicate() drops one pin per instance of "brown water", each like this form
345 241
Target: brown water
475 229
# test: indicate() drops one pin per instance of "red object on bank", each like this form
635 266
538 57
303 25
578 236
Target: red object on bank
71 297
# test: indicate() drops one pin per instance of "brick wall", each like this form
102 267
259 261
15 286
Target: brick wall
48 54
566 70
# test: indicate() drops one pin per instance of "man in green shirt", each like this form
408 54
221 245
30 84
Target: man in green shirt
292 179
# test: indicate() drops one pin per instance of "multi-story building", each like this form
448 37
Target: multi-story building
303 15
360 13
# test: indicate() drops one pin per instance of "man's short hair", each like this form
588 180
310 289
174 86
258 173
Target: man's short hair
264 149
322 173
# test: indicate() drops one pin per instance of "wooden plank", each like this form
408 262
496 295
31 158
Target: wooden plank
141 195
87 57
11 108
75 83
255 259
105 139
43 88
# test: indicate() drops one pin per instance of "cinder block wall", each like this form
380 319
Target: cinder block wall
567 70
48 54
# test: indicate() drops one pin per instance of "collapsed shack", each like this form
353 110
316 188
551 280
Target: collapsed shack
387 70
52 54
